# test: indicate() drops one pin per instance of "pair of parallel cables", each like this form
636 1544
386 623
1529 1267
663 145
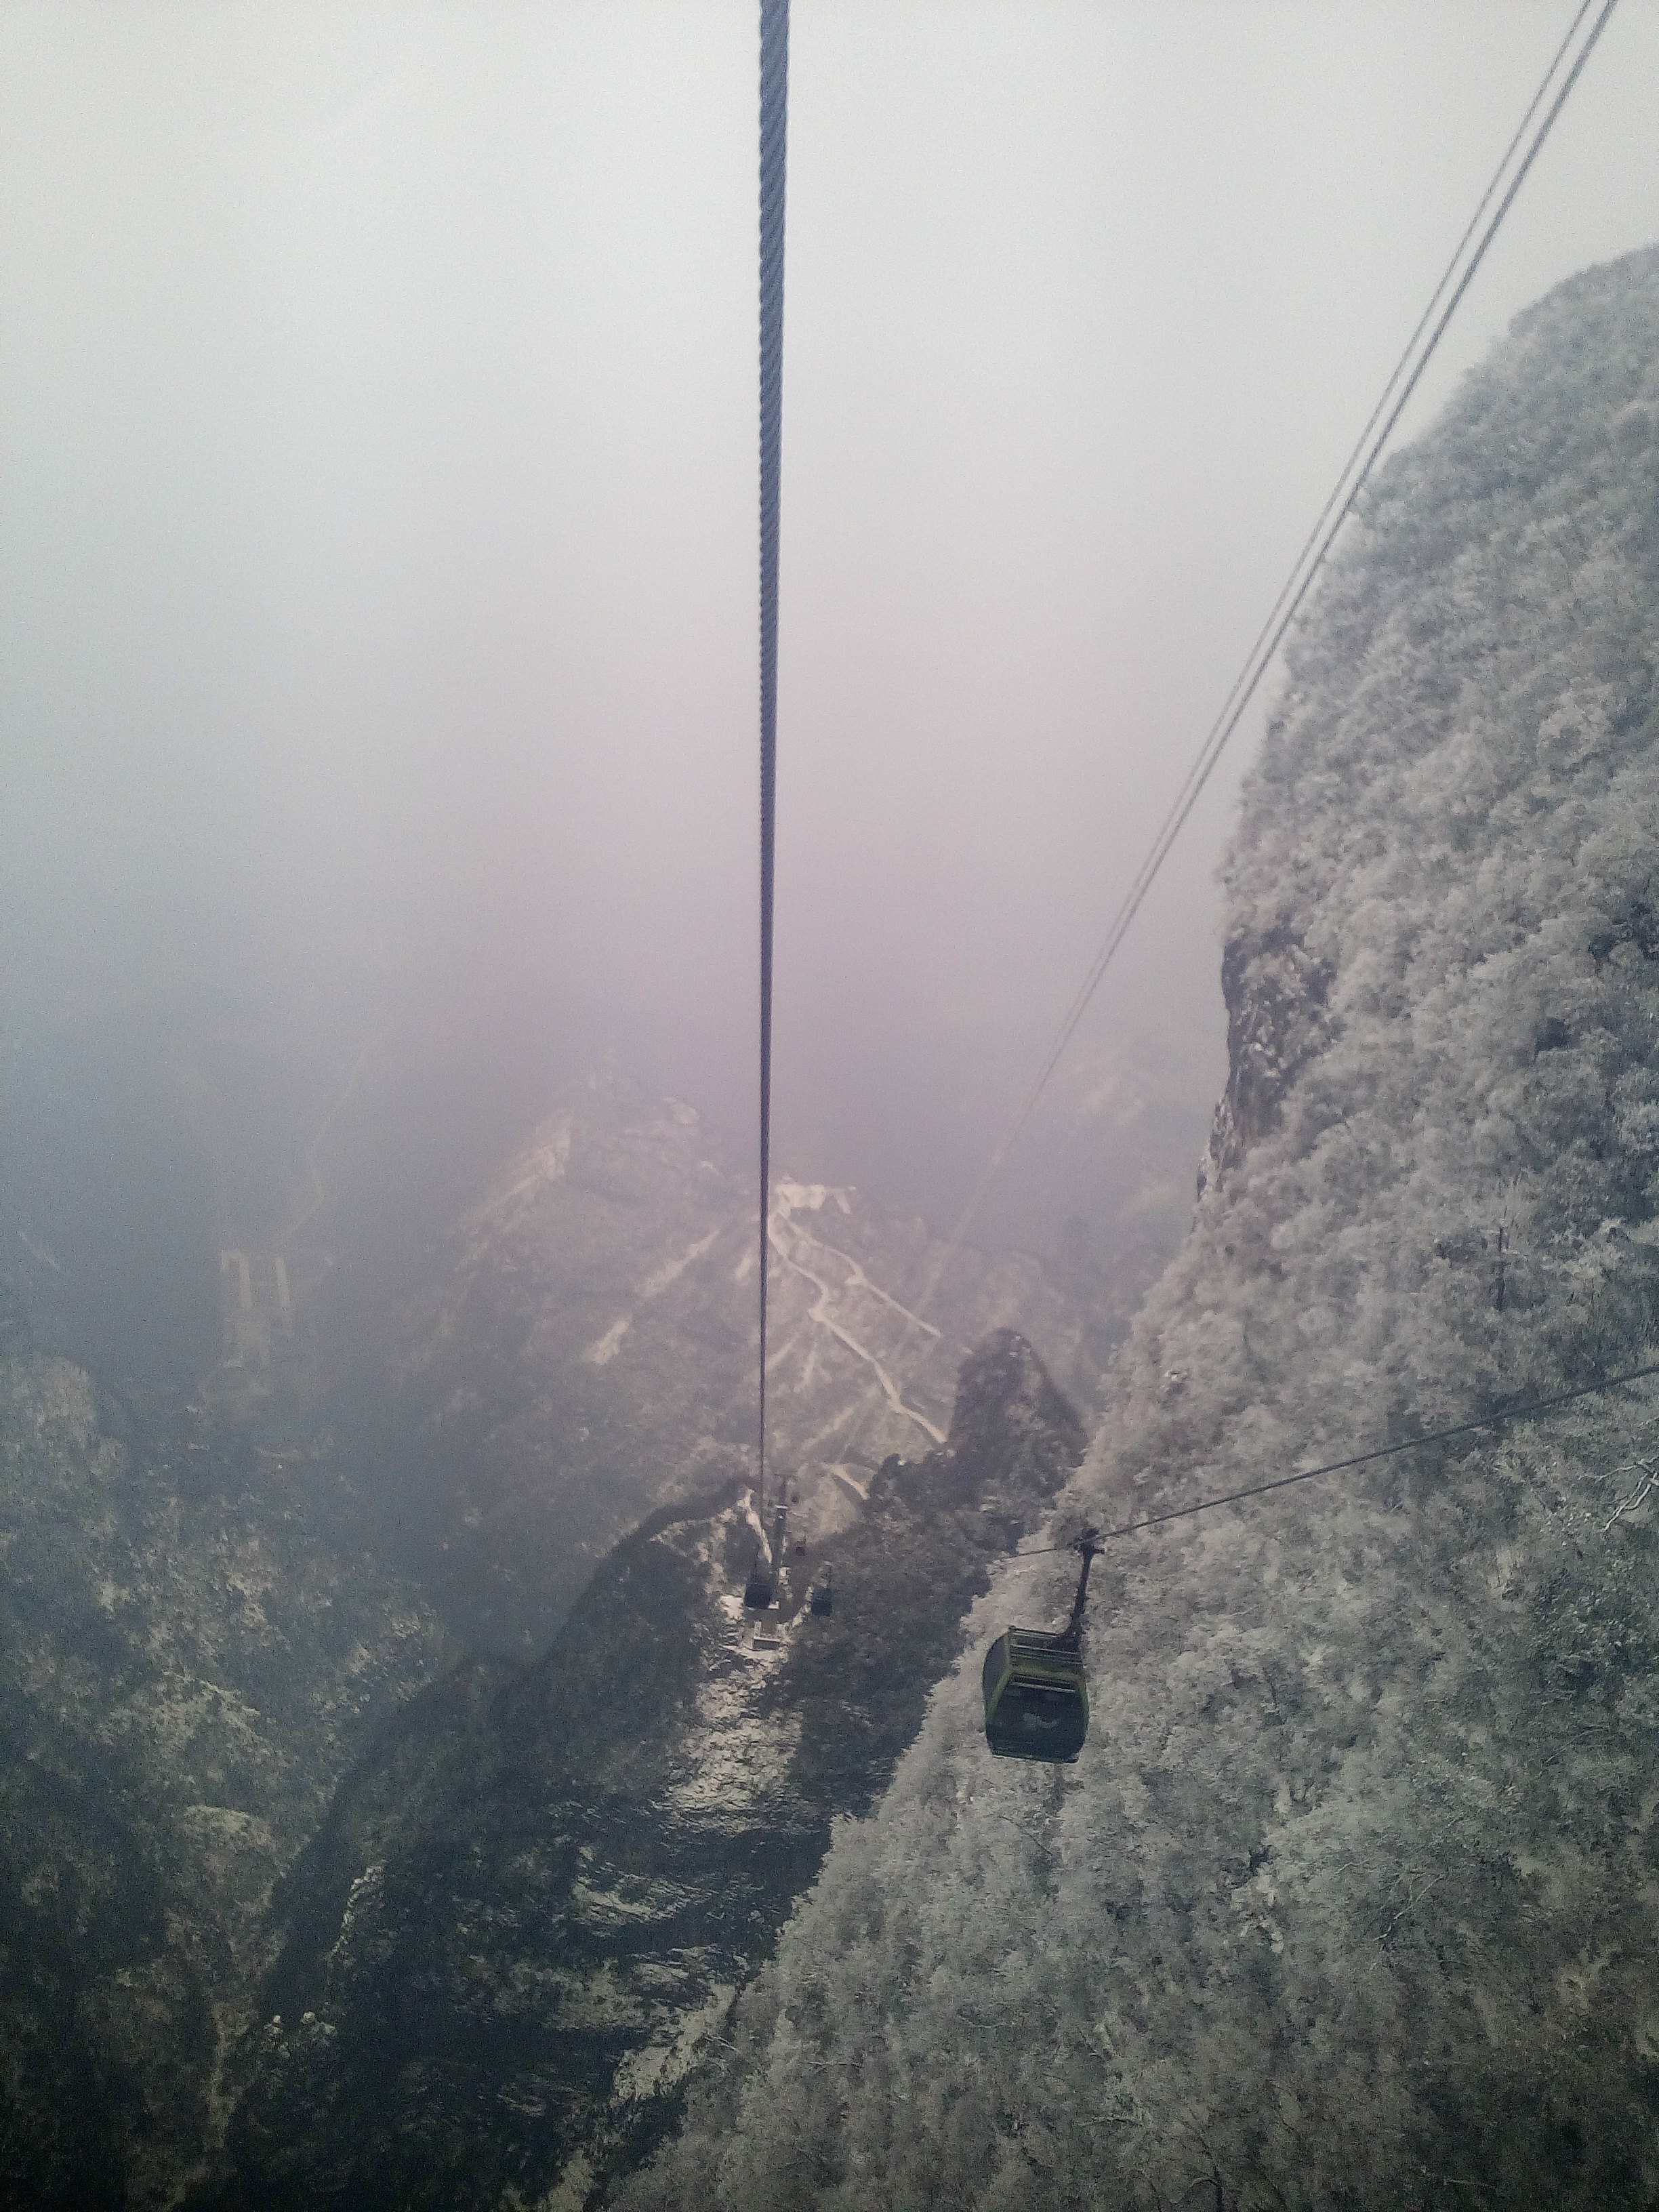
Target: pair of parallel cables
1565 67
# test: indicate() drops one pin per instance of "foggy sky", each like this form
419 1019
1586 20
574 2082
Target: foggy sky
377 513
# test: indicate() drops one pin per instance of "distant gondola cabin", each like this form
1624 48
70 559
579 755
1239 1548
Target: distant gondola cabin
1036 1698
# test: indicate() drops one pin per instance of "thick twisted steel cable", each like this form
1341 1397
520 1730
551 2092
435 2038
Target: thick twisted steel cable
773 131
1521 1413
1390 406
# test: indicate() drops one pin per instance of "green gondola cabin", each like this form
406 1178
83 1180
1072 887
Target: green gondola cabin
1037 1700
1036 1693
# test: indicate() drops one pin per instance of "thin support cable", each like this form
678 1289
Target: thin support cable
774 133
1358 1459
1395 396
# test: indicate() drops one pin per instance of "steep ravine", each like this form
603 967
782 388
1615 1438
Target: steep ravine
214 1592
1353 1900
193 1649
533 1902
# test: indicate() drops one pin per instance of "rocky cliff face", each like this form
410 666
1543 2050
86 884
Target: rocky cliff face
1276 997
532 1904
1351 1899
194 1646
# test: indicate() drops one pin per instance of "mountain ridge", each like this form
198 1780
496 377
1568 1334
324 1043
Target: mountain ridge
1351 1900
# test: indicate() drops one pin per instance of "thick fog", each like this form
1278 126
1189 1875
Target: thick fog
378 516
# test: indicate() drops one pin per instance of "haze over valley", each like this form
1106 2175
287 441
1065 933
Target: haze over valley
437 1773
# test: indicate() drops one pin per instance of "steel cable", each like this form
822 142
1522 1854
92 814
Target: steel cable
774 132
1358 1459
1349 485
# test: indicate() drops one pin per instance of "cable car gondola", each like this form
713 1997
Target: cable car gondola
1036 1693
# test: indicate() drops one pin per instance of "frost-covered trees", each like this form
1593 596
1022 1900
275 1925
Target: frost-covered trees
1351 1900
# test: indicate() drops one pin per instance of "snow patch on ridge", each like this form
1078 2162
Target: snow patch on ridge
670 1270
604 1350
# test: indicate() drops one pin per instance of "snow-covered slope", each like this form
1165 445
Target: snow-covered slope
1353 1898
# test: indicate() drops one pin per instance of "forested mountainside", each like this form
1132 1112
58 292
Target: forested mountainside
195 1645
1354 1897
535 1896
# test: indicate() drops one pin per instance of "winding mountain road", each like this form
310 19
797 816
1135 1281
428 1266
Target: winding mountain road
782 1215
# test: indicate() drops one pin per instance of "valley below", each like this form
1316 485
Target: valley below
392 1562
401 1806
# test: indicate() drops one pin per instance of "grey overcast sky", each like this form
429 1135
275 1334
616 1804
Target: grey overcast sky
377 516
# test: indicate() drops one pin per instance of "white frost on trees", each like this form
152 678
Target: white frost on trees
1351 1900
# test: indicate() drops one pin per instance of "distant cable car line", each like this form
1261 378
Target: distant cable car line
1359 1459
1350 484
